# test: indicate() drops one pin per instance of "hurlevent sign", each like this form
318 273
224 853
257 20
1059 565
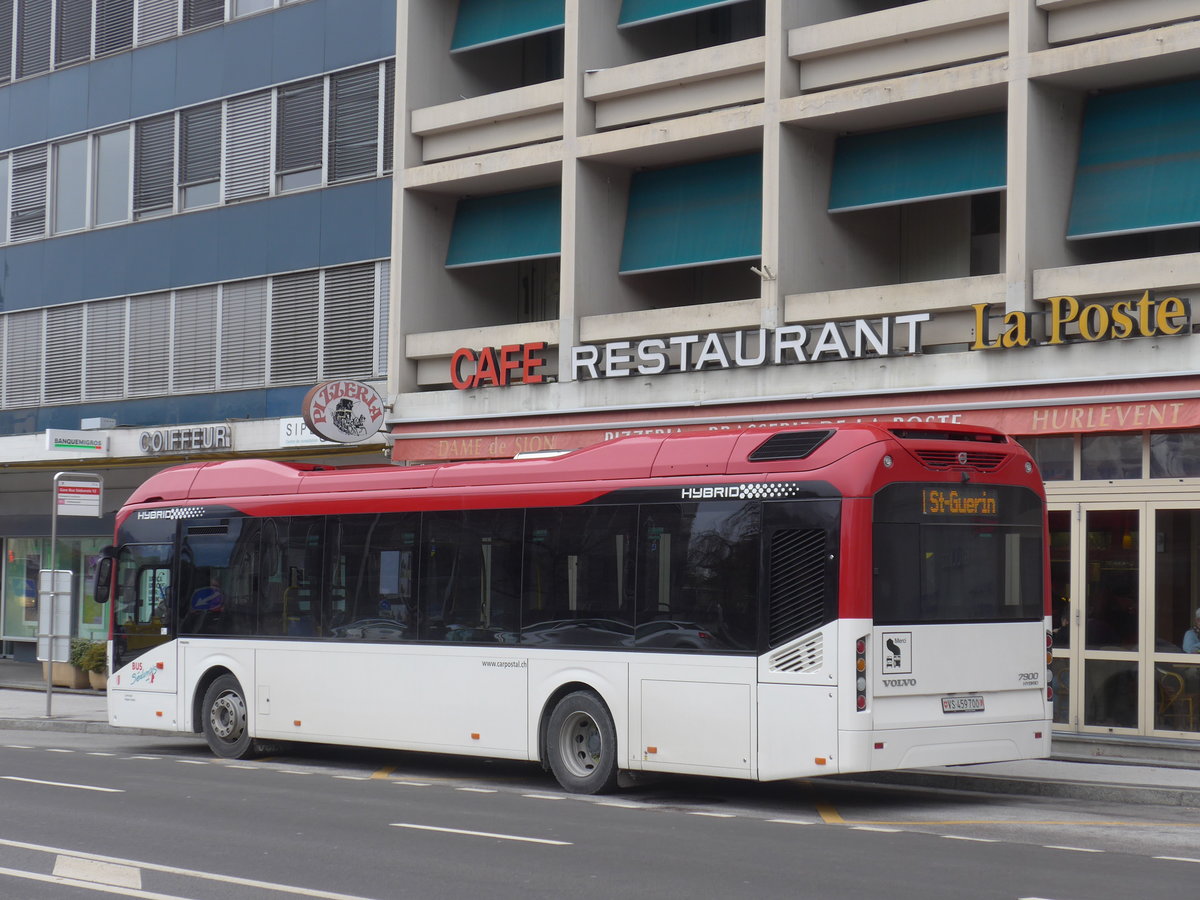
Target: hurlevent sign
1063 320
346 412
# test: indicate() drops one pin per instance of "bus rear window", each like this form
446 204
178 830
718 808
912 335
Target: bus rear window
966 553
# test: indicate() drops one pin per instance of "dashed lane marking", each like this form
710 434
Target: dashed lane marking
484 834
63 784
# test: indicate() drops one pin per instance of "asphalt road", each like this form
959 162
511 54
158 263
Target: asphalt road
158 817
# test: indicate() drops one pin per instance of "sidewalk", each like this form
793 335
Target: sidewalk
1155 773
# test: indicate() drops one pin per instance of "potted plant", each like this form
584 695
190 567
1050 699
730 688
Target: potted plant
91 657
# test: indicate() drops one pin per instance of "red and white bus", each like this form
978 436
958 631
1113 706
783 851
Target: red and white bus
755 603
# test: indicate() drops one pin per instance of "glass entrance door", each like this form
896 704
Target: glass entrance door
1126 591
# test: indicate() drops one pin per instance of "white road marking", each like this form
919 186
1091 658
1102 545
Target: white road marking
155 867
89 885
541 796
58 750
790 822
714 815
352 777
413 783
1178 859
16 747
239 766
876 828
94 870
487 834
960 837
1073 849
80 787
99 753
193 762
143 757
477 790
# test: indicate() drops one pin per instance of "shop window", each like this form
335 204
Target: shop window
1175 454
1177 697
1111 456
1110 697
1176 578
1055 456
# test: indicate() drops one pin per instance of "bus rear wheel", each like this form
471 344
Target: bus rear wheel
226 722
581 744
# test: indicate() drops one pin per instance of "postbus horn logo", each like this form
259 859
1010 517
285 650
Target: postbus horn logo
343 411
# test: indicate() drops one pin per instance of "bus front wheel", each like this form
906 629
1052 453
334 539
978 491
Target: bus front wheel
581 743
226 723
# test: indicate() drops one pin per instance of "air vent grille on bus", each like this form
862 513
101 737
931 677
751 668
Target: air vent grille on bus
789 445
961 459
807 656
797 583
208 529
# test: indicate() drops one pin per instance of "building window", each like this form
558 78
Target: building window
28 200
70 185
200 156
1111 456
248 147
249 7
1055 456
354 124
298 147
73 40
114 26
156 20
4 167
6 36
1175 454
200 13
154 166
112 177
33 37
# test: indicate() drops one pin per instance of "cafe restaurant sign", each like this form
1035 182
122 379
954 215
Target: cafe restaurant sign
1063 320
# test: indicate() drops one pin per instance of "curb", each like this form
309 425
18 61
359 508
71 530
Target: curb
1145 795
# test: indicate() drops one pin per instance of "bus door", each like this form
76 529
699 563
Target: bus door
143 652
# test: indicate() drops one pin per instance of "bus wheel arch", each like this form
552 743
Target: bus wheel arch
578 740
225 718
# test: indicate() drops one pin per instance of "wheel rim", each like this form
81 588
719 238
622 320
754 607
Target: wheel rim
228 716
580 744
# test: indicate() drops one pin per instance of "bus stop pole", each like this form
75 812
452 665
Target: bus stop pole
52 594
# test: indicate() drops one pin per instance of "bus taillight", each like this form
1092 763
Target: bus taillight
860 670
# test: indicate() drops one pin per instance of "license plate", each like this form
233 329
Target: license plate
970 703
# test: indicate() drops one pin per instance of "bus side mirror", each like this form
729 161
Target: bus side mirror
103 585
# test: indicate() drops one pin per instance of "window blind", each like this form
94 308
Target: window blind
154 165
348 321
156 20
23 359
243 361
200 144
299 132
104 359
114 26
199 13
73 38
294 324
149 362
64 355
33 37
194 360
248 146
28 201
6 36
354 124
483 22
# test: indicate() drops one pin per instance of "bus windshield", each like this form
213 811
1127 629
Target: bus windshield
964 553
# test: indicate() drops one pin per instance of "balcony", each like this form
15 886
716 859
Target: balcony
514 118
919 37
673 86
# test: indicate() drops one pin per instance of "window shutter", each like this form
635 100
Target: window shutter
154 165
23 360
64 354
248 147
6 36
149 345
33 37
104 363
294 321
73 38
200 144
243 334
348 320
298 147
157 20
114 26
354 124
385 293
195 358
28 200
389 113
198 13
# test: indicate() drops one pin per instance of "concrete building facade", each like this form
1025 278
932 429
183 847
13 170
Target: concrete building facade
629 216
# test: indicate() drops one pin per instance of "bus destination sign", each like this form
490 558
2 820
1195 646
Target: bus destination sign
959 501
